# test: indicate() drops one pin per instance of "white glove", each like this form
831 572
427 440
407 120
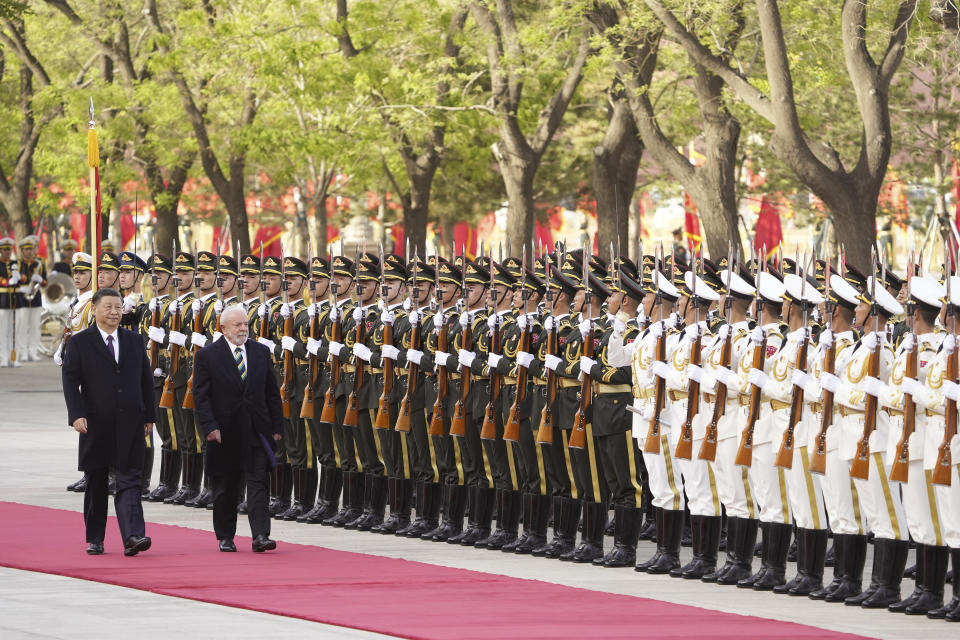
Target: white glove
829 382
656 330
414 318
407 303
674 319
584 327
757 336
269 344
334 313
196 307
726 377
357 314
156 334
493 360
548 323
951 390
826 338
14 278
492 321
464 320
800 379
873 387
524 359
313 346
522 322
465 357
57 357
286 310
387 317
414 356
218 307
641 317
869 341
216 336
660 369
552 362
912 387
389 352
37 278
287 343
198 340
438 321
694 373
692 331
441 358
128 304
362 351
758 378
586 364
25 289
262 311
949 344
336 348
154 304
724 330
158 373
178 338
619 326
312 311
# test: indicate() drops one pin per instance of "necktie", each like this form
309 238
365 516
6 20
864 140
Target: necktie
241 367
113 352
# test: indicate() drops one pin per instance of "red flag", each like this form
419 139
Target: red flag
691 225
465 236
269 235
78 230
543 235
956 189
398 236
127 229
768 232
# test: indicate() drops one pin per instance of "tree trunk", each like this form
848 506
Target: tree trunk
615 164
415 214
518 170
237 211
14 194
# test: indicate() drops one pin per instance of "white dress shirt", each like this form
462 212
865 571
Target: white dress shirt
116 342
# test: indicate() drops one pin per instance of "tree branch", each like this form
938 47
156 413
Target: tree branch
552 114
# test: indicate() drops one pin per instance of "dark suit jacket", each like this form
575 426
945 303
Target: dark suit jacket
116 399
240 409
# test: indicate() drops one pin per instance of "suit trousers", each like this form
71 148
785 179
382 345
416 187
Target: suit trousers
126 502
226 487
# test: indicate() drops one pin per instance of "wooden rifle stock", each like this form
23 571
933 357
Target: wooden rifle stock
511 431
154 346
685 444
352 416
745 451
818 463
166 397
458 424
285 388
708 450
383 405
313 370
578 434
413 370
784 456
489 429
900 469
439 409
944 465
652 442
328 414
860 466
545 432
197 328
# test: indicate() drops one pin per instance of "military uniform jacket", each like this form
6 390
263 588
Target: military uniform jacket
851 398
479 395
779 391
26 271
347 382
185 366
7 291
761 431
163 361
375 343
734 414
133 321
612 378
403 338
81 315
511 344
678 382
844 343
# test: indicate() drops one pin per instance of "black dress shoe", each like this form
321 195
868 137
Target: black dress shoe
227 546
94 548
135 544
262 543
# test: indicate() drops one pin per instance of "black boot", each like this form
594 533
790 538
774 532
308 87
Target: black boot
537 532
557 524
164 490
314 515
471 512
901 607
889 560
400 495
591 543
732 524
284 490
484 502
934 576
147 474
454 505
566 518
527 504
352 507
777 550
706 536
296 507
508 519
852 561
610 528
672 532
625 535
952 607
686 540
648 530
428 509
203 496
838 548
748 582
741 546
696 544
183 479
811 548
374 504
658 536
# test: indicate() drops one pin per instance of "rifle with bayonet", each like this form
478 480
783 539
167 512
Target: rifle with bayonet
313 363
439 406
818 462
328 413
166 396
155 316
744 456
860 466
383 405
784 456
197 327
578 434
684 449
488 430
942 470
708 450
405 412
286 388
652 442
511 431
545 432
351 418
458 424
900 469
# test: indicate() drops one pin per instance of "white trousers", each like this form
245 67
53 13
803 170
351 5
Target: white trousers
769 485
924 506
663 477
948 503
880 501
733 483
805 493
6 335
840 496
700 484
28 332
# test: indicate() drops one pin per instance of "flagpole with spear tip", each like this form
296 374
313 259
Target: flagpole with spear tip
93 161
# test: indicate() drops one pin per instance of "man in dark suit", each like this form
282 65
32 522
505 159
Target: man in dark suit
237 405
108 388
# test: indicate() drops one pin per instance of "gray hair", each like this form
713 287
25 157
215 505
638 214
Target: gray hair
232 309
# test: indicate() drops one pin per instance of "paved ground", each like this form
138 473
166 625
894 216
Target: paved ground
38 460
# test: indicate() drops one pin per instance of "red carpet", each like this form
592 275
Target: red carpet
385 595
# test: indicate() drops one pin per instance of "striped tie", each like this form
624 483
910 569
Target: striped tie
241 367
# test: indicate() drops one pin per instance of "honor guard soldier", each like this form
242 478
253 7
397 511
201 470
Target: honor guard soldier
161 277
249 287
9 283
29 305
65 265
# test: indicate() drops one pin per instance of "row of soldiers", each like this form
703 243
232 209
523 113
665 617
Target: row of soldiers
558 388
21 280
